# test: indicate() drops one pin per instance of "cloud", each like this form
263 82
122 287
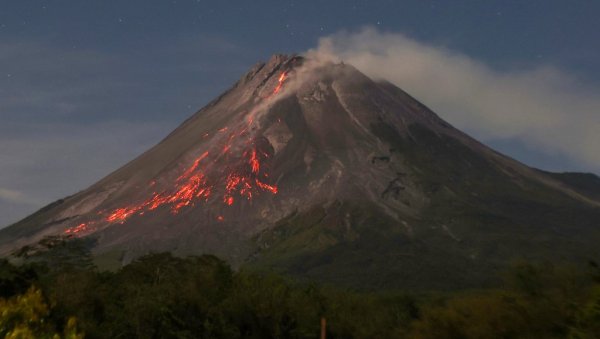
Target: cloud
70 115
45 162
543 107
13 196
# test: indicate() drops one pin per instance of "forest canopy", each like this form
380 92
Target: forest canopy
55 291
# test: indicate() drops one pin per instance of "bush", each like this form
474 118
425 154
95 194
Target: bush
25 316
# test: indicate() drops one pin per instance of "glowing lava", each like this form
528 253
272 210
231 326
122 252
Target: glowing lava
77 229
198 182
121 214
254 162
280 81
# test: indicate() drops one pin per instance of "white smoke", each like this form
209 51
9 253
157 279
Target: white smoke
543 107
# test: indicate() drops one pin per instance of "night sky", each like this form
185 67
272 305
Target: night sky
86 86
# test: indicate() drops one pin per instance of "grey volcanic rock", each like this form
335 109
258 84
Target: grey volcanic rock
314 169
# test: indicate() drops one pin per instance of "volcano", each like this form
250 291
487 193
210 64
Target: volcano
311 168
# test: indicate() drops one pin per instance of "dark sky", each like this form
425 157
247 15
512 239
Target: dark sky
87 85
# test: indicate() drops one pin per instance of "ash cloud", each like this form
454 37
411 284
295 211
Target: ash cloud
545 108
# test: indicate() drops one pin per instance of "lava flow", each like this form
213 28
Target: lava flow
197 183
77 229
280 81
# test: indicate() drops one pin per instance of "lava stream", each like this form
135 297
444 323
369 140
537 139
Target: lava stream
280 81
194 184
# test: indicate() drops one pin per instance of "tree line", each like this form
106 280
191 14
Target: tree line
53 290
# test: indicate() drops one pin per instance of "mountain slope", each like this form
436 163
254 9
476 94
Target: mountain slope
314 169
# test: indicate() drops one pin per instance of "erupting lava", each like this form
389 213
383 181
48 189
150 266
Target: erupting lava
281 80
76 229
198 182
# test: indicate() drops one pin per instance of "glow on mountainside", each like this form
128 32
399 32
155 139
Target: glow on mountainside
245 179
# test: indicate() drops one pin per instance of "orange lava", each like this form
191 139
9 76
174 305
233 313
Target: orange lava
121 214
77 229
254 162
197 182
190 170
267 187
193 186
280 81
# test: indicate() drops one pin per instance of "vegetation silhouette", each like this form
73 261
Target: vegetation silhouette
53 291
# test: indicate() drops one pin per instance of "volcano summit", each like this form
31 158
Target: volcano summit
313 169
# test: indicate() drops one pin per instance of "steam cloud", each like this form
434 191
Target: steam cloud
543 108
